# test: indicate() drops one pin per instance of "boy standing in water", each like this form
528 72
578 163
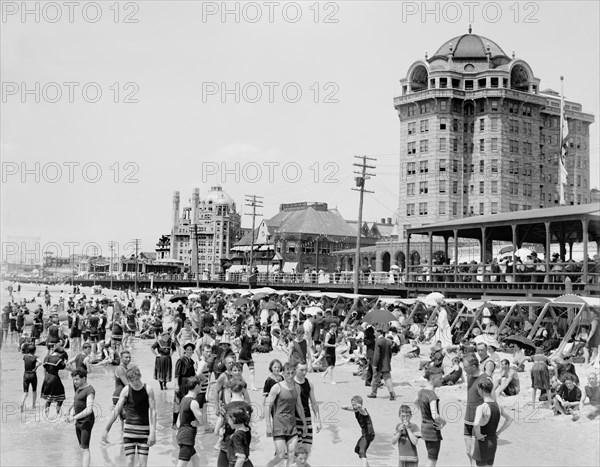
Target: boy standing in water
407 435
366 425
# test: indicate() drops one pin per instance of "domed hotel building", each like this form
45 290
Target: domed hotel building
478 136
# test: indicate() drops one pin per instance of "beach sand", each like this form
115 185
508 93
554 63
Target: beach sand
535 438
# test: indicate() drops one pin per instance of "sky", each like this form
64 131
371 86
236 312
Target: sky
108 108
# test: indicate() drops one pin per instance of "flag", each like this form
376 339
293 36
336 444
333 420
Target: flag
562 162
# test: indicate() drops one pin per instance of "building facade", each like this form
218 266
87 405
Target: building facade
479 137
203 233
300 236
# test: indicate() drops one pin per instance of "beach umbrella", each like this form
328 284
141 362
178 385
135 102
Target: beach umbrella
434 299
193 296
521 341
313 310
178 297
260 295
241 301
379 317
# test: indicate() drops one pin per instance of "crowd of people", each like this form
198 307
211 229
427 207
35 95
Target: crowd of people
213 337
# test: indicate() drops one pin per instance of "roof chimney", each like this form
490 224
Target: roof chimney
383 220
389 220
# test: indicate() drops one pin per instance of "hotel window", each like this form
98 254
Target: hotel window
527 190
495 124
411 168
456 106
423 108
481 124
412 147
578 199
526 207
528 149
526 111
454 208
424 126
443 105
494 83
443 123
469 84
494 187
513 125
455 144
513 207
527 170
443 83
481 188
471 210
514 146
455 187
411 110
412 128
514 168
455 124
481 209
442 184
480 106
442 208
410 189
422 209
410 209
443 144
527 128
442 165
482 145
494 207
424 145
513 108
578 180
454 165
494 144
481 167
455 83
423 167
513 188
423 189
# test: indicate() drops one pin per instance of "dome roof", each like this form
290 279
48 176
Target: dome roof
470 46
216 195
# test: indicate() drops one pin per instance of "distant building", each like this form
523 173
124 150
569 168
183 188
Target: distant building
595 194
478 136
301 235
211 218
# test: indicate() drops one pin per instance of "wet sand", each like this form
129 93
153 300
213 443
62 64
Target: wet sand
535 438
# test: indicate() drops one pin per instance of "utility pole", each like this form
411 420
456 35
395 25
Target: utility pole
195 262
137 242
111 245
363 176
253 201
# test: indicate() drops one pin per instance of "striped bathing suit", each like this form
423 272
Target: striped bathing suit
137 422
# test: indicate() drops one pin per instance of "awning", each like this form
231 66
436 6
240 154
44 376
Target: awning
244 248
236 268
266 248
290 266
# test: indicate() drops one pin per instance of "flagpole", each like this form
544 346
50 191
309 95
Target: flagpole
561 161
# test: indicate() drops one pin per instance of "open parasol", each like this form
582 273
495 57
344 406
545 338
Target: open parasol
521 341
379 318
